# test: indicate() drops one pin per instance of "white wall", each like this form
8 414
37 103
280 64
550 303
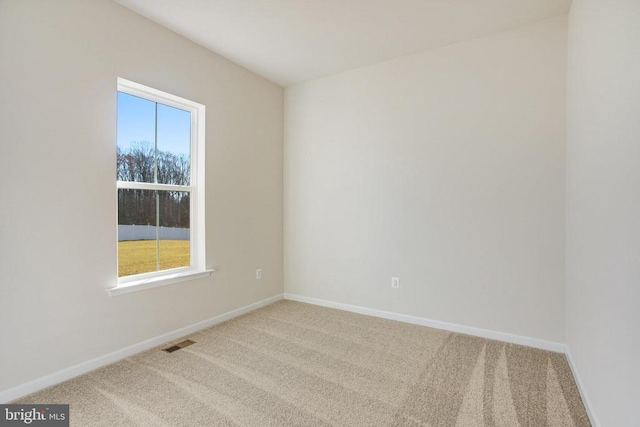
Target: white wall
603 205
59 61
445 168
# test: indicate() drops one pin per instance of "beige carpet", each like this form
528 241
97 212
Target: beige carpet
293 364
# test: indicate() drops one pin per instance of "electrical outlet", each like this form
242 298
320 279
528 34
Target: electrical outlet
395 282
258 273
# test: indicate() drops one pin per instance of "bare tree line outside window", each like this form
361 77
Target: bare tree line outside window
138 207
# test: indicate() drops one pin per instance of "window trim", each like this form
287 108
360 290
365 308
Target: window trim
197 269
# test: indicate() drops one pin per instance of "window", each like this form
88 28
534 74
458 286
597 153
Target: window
160 188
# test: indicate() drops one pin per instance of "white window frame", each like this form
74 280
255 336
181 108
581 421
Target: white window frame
197 269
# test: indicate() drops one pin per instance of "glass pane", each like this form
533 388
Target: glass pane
136 138
174 229
174 145
137 244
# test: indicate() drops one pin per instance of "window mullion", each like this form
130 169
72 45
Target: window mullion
157 231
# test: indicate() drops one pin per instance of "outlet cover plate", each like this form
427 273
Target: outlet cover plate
395 282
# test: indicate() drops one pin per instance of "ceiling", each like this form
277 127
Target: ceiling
293 41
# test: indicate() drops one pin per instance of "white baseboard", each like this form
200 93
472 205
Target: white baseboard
453 327
583 392
82 368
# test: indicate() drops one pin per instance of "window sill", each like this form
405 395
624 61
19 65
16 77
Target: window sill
154 282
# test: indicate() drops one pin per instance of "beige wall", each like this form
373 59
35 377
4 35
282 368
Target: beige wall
445 168
603 205
59 61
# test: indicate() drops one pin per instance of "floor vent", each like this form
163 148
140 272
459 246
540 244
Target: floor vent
183 344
